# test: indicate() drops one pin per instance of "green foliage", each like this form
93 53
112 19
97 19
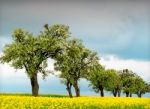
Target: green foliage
140 86
114 80
75 63
127 78
104 79
98 78
19 35
57 30
31 53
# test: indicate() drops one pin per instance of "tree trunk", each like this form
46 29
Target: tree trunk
34 85
127 94
69 85
115 92
119 93
77 89
101 91
139 94
130 94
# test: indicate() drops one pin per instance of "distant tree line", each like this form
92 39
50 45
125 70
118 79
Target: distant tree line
72 59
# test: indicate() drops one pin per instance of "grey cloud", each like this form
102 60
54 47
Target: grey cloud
86 16
96 11
99 23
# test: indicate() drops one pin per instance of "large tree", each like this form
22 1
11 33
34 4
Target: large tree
31 52
76 62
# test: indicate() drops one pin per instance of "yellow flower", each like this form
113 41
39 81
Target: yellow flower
27 102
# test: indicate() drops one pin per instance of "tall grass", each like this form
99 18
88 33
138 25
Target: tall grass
28 94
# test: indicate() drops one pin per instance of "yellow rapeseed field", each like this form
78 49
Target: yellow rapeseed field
28 102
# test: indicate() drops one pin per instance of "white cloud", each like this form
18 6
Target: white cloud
7 72
142 68
10 75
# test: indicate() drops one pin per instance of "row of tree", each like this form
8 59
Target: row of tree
72 59
118 81
79 62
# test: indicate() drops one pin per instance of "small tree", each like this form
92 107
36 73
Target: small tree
66 79
101 79
115 82
31 53
68 83
128 78
141 87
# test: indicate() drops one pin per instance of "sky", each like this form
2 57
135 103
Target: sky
119 31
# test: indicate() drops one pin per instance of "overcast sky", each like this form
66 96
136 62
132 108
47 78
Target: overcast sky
118 30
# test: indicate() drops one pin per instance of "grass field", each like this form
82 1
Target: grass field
25 101
27 94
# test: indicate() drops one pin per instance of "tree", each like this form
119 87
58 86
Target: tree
101 79
115 83
128 78
66 78
76 62
141 87
68 83
31 53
